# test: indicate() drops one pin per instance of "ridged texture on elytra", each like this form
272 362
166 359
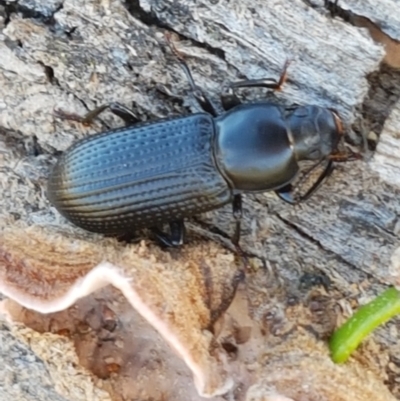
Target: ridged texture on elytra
139 176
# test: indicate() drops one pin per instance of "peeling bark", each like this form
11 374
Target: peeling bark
75 55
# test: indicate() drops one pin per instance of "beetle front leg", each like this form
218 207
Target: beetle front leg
116 108
286 193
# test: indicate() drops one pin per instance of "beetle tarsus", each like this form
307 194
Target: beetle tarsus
286 194
116 108
175 238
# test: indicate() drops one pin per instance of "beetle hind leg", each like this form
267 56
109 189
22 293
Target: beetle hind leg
116 108
201 98
175 238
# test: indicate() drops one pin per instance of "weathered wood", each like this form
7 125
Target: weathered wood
42 367
383 16
386 159
88 53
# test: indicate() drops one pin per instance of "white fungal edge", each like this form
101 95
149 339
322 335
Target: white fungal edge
101 275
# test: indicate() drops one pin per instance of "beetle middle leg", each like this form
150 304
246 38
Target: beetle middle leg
116 108
176 236
237 215
230 99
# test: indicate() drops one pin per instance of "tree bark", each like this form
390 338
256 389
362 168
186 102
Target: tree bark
322 258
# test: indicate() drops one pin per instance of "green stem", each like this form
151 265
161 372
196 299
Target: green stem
347 337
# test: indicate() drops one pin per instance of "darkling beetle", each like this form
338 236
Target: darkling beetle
148 174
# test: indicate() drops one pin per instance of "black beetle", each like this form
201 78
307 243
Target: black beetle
161 172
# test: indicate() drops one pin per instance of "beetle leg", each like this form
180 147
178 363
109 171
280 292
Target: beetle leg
230 99
237 215
286 193
162 238
345 157
116 108
124 113
203 101
175 238
178 232
269 83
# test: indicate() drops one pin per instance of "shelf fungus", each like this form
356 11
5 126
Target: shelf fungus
180 297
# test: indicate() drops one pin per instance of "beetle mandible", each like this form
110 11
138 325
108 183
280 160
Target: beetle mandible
147 174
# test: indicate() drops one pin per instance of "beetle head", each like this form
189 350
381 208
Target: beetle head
315 131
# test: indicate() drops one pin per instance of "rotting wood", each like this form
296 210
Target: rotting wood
81 55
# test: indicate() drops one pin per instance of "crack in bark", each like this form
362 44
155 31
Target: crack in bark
26 12
152 20
382 96
321 247
384 84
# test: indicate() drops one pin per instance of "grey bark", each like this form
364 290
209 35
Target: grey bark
380 14
89 53
23 376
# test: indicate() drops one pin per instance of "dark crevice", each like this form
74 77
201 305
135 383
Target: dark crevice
23 146
384 90
70 32
151 19
360 21
26 12
392 376
49 72
148 18
391 45
337 11
212 50
383 94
